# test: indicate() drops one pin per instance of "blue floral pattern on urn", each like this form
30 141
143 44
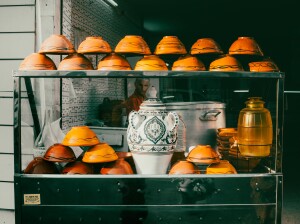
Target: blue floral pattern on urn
152 135
152 128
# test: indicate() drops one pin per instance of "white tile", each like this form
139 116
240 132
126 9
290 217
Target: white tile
7 66
7 195
7 217
6 94
17 19
7 167
17 2
16 45
7 138
6 115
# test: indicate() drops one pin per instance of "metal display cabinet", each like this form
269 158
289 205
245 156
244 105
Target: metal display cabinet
246 197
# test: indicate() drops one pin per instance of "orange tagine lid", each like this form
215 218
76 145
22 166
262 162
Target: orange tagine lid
100 153
81 136
57 44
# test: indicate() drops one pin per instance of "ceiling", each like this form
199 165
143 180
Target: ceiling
213 18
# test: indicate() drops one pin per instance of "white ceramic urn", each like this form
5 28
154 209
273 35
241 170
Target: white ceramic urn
152 135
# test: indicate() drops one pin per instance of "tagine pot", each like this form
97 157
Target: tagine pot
152 135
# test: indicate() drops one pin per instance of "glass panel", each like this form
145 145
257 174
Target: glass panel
205 101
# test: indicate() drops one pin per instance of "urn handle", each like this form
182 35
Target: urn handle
134 120
175 121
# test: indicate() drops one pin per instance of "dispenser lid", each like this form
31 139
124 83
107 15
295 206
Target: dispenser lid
254 102
152 102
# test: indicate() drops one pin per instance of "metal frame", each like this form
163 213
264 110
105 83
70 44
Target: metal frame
242 198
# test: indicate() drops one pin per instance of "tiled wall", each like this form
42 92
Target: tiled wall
81 105
91 18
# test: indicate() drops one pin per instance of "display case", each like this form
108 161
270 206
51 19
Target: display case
74 98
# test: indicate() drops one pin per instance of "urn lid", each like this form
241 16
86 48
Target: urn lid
152 102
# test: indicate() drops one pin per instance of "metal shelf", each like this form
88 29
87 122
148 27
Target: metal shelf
149 74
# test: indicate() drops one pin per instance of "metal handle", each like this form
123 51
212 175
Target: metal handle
209 115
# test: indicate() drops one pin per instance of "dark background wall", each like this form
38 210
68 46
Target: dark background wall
273 24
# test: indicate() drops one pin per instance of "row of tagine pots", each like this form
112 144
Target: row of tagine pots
100 158
243 55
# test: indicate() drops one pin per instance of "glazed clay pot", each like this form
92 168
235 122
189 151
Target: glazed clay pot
57 44
59 153
94 45
188 63
226 130
132 44
223 167
75 61
151 63
113 61
226 63
80 136
224 134
100 153
119 167
266 65
179 152
152 135
245 46
184 167
206 46
203 155
40 166
77 167
170 45
128 158
37 61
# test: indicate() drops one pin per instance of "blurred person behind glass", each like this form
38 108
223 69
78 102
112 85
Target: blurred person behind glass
139 95
132 103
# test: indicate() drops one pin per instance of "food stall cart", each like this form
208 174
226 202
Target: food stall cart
253 195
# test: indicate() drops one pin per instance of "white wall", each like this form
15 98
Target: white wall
24 24
17 40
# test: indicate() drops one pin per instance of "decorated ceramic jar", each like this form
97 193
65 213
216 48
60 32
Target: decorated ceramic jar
152 135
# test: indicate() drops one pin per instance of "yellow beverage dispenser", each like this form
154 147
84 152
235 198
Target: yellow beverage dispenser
255 132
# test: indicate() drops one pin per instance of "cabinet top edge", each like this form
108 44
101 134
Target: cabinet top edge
146 74
148 176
